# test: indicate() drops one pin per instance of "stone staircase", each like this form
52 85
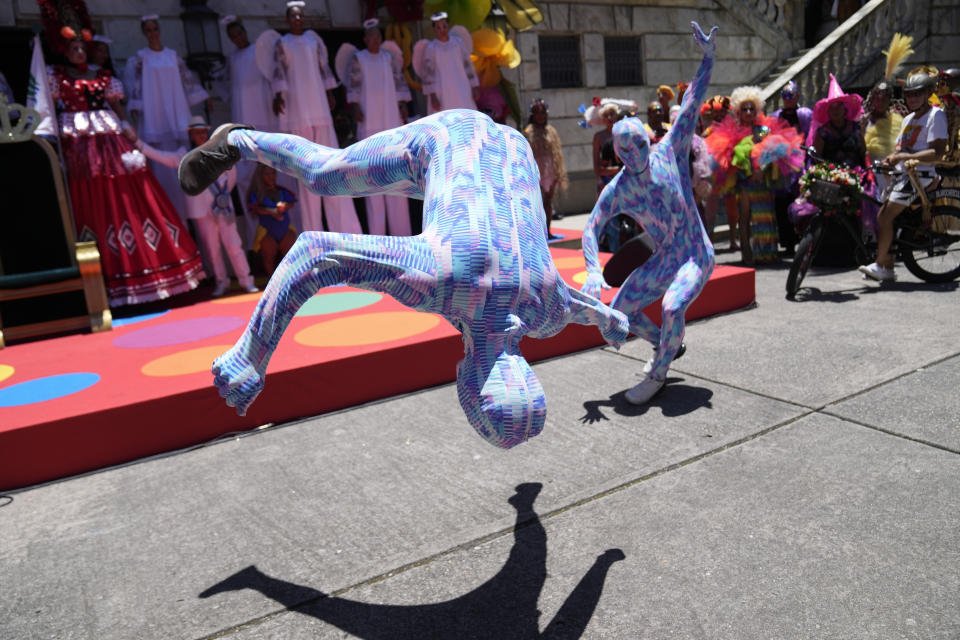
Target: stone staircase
853 52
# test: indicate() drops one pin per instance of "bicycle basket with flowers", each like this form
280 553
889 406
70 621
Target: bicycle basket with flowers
833 188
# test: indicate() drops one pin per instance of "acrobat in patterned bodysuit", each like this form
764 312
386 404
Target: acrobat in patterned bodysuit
654 189
481 262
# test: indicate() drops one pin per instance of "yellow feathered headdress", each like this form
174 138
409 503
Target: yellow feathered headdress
897 54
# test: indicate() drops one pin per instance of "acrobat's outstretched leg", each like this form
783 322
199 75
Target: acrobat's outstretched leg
684 289
380 164
403 267
642 287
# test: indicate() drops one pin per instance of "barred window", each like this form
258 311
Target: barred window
623 61
560 62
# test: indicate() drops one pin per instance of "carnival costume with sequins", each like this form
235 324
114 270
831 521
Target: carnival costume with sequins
482 260
147 253
771 146
654 188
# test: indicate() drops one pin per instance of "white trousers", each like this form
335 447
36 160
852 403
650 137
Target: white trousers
217 231
384 209
341 215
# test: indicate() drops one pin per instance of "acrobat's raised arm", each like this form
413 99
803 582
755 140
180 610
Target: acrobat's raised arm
681 132
603 210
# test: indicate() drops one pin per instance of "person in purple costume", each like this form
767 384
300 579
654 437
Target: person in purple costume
654 188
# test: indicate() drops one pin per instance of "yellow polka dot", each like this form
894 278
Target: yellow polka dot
370 328
5 371
580 278
184 362
572 262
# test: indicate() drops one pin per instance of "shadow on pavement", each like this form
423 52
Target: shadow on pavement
504 607
813 294
673 400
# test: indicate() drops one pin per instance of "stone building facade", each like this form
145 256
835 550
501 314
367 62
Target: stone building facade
591 36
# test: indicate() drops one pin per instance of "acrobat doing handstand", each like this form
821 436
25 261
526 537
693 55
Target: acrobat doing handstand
654 189
481 262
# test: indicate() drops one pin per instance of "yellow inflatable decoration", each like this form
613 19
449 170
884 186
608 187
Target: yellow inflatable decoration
400 33
492 50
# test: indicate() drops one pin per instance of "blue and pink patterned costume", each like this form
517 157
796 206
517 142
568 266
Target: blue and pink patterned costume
482 260
654 189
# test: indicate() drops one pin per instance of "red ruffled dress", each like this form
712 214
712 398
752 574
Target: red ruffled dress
147 253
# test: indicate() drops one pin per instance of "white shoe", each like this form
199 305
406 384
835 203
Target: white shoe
220 289
251 288
878 273
643 392
647 368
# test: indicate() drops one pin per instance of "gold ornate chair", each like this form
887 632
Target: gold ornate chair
49 282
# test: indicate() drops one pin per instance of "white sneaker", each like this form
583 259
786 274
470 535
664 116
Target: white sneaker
643 392
251 288
220 289
878 273
647 368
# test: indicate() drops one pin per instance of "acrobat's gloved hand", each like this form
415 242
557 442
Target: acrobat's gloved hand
594 284
707 44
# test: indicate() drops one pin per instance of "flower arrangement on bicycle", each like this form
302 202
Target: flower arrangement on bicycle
833 188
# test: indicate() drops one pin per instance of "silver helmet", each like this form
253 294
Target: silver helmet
918 81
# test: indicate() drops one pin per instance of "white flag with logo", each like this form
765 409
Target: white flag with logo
38 93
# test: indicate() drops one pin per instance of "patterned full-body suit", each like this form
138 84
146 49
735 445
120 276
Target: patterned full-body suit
654 188
482 260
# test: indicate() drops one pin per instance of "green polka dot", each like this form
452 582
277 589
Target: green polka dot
336 302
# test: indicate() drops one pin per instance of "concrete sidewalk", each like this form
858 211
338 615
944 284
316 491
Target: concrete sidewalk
799 477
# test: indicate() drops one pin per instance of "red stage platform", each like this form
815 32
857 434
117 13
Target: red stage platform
82 402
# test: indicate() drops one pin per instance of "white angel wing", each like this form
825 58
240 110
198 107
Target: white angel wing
265 49
342 62
417 59
466 40
393 49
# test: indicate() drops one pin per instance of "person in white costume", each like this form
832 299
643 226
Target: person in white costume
444 66
161 92
302 85
378 95
211 212
250 102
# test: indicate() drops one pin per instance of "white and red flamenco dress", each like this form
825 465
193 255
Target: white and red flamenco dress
147 253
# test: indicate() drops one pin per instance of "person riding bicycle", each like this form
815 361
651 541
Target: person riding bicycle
923 138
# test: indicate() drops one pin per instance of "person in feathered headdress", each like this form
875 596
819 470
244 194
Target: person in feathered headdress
751 151
146 252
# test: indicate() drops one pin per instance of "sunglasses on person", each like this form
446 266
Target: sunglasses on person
787 94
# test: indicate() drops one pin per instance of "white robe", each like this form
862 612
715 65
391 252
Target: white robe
449 74
376 83
251 100
302 75
161 90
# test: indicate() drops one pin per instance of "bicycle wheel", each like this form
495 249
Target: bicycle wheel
806 252
933 254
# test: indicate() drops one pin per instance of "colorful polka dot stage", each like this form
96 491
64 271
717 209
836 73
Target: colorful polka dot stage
85 401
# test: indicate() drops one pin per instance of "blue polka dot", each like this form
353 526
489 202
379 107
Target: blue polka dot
119 322
43 389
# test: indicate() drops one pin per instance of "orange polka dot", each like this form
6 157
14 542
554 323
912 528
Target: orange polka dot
572 262
247 297
5 371
184 362
369 328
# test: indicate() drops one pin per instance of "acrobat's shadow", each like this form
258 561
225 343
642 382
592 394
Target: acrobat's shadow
504 607
674 400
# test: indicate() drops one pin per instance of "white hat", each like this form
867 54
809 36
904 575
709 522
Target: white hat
197 122
372 23
296 3
149 16
439 15
228 19
103 39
